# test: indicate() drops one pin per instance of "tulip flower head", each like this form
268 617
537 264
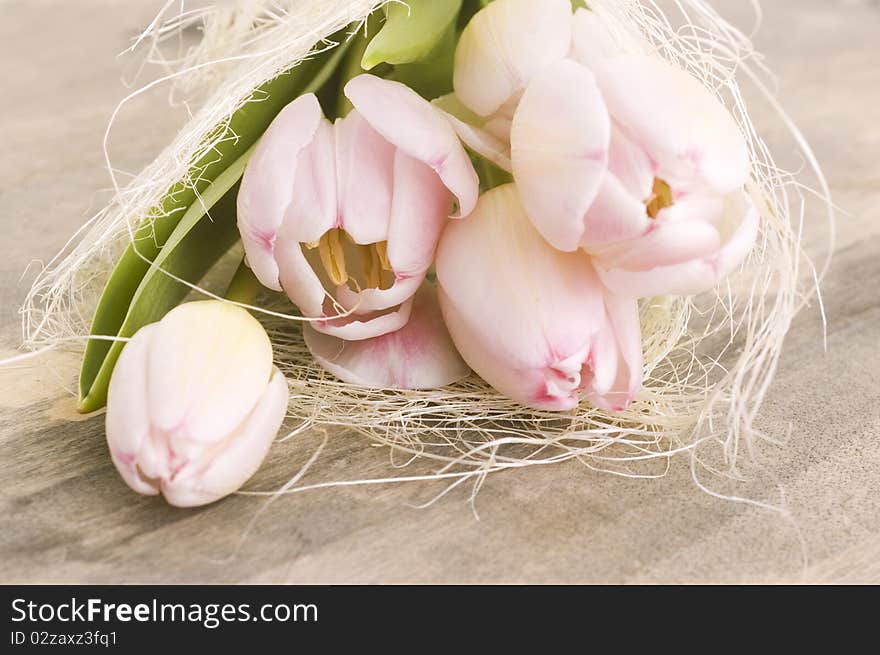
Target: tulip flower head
622 156
535 322
345 217
194 404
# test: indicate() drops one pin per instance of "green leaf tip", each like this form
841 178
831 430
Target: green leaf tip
411 32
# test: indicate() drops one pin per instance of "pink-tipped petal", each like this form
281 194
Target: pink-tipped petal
604 360
624 324
505 45
364 163
685 129
298 279
619 212
625 347
208 364
615 215
684 261
471 129
559 151
591 42
630 164
267 185
419 211
667 244
358 327
410 123
420 355
240 456
311 213
313 207
694 207
375 300
128 421
521 313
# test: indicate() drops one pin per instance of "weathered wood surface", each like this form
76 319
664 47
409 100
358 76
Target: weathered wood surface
67 517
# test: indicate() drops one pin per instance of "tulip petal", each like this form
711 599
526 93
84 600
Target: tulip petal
667 244
358 327
410 123
298 279
604 360
618 350
559 150
684 258
312 212
505 45
694 207
615 215
208 364
238 457
471 129
128 420
684 128
521 313
267 185
591 42
420 355
313 207
629 162
419 210
364 164
374 300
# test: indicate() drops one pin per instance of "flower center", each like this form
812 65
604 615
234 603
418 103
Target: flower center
347 262
661 198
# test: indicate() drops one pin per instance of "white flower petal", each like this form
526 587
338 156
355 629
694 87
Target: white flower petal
505 45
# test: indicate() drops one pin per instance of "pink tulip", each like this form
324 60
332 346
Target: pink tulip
194 404
625 157
420 355
345 217
532 321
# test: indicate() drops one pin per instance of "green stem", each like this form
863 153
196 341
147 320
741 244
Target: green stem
245 287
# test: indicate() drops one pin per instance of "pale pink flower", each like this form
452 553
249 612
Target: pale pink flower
623 156
345 217
194 404
535 322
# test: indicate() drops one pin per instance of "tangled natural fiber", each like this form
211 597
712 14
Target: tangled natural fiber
708 361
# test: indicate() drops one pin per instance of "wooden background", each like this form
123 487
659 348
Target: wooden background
67 517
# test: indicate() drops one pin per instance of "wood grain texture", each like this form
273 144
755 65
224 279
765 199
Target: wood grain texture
67 517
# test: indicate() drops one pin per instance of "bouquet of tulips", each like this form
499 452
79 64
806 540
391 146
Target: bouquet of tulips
482 189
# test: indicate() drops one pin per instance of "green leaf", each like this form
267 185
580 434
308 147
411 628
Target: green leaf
351 66
192 249
431 77
155 235
411 32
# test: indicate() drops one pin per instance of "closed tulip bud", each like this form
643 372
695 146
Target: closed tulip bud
194 404
535 322
348 215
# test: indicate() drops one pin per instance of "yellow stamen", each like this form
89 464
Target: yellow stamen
372 267
661 198
333 256
382 251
